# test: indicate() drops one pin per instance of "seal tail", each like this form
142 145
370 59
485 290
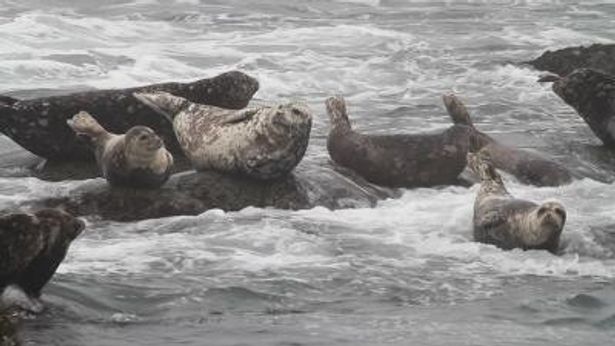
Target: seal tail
336 108
457 110
163 103
480 163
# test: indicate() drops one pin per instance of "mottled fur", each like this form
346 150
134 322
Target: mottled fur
32 246
135 159
261 143
508 222
400 160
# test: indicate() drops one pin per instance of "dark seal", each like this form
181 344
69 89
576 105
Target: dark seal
508 222
39 125
528 167
135 159
592 94
400 160
563 61
261 142
32 246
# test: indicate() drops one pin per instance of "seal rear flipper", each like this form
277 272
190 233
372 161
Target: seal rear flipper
7 100
163 103
457 110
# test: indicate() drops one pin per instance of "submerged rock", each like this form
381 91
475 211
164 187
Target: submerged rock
563 61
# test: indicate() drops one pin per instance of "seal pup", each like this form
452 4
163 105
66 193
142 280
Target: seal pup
32 246
528 167
135 159
592 94
399 160
262 143
39 125
507 222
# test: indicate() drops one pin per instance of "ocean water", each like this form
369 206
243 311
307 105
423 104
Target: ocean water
403 273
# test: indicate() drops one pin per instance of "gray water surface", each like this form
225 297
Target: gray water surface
405 272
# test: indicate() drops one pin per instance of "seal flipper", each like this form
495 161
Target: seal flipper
457 110
7 100
163 103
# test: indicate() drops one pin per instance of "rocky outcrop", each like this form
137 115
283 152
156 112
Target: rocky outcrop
563 61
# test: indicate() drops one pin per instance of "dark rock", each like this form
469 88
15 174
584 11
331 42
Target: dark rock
192 193
562 62
39 125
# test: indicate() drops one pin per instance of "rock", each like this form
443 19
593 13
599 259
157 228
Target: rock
563 61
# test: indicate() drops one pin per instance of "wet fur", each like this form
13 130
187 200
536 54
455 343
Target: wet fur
122 159
527 166
400 160
32 246
507 222
261 143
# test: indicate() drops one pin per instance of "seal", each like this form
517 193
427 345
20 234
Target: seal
261 143
32 246
507 222
592 94
39 125
528 167
399 160
135 159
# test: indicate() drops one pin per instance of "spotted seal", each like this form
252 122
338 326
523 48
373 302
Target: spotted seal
39 125
32 246
262 143
592 94
135 159
507 222
527 166
400 160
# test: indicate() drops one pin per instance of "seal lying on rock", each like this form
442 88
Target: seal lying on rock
32 246
507 222
402 160
261 143
564 61
592 94
528 167
39 125
135 159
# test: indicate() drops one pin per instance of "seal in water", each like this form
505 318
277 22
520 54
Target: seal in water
400 160
32 246
262 143
39 125
592 94
528 167
135 159
508 222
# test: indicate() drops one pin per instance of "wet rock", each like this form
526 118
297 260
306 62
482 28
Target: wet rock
39 125
563 61
192 193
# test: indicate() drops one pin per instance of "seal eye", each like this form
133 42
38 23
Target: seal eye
142 137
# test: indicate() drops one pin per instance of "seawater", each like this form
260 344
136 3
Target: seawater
404 272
